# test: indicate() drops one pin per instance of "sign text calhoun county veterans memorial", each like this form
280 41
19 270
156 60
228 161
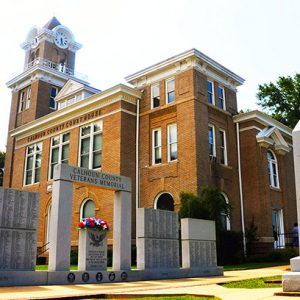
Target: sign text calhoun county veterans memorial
87 176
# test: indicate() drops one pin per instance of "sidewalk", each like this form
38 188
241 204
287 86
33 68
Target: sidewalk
196 286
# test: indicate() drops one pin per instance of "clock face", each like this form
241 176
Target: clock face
61 39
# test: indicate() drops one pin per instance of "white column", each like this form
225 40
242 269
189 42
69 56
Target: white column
122 231
60 226
296 148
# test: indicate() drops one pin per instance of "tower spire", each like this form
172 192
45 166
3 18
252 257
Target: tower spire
52 23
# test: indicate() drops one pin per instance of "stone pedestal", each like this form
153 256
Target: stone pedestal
198 243
92 250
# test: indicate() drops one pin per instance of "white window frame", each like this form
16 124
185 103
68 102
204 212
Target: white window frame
169 142
213 92
156 146
214 140
90 135
228 225
223 149
34 154
167 97
224 101
55 104
152 88
82 206
21 101
60 147
271 171
28 96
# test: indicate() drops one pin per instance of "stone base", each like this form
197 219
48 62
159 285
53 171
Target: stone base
291 282
22 278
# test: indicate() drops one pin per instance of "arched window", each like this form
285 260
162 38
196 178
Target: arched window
87 209
272 169
225 220
164 201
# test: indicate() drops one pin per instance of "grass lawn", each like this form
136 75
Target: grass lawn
254 265
45 267
254 283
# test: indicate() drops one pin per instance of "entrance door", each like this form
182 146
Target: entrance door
278 228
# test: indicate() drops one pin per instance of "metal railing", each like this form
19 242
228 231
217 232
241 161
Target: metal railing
283 240
59 67
43 249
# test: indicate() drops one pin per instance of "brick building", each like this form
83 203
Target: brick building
175 128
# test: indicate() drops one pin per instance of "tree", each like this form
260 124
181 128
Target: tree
2 159
210 205
281 99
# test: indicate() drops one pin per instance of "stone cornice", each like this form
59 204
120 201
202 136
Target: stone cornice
190 58
117 93
262 119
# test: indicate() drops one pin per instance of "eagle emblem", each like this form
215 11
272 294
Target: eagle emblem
96 237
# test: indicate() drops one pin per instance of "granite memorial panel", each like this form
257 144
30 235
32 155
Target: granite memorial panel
198 243
157 239
18 229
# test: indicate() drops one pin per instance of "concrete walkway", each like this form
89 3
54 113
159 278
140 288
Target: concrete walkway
196 286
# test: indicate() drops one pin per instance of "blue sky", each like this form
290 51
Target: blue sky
257 39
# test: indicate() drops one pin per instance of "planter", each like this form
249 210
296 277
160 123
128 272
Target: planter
92 250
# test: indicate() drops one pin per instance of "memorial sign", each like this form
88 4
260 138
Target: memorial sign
87 176
18 229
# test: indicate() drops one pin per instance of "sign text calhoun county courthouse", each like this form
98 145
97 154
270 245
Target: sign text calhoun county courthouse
87 176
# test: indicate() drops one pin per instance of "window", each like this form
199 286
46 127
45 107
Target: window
211 141
91 146
223 147
87 209
59 151
156 146
21 101
210 92
221 97
28 95
272 170
170 90
164 201
225 213
33 164
155 98
53 93
172 142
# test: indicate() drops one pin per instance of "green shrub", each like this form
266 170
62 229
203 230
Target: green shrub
230 247
74 257
282 254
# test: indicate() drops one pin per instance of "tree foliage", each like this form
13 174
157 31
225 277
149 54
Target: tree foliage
2 159
210 205
281 99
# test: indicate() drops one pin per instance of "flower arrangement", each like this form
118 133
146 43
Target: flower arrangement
93 223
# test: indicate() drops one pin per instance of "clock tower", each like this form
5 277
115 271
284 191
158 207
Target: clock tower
49 63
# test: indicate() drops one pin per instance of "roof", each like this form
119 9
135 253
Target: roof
52 23
262 118
182 56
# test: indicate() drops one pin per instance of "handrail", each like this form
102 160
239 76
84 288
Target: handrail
60 67
42 249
